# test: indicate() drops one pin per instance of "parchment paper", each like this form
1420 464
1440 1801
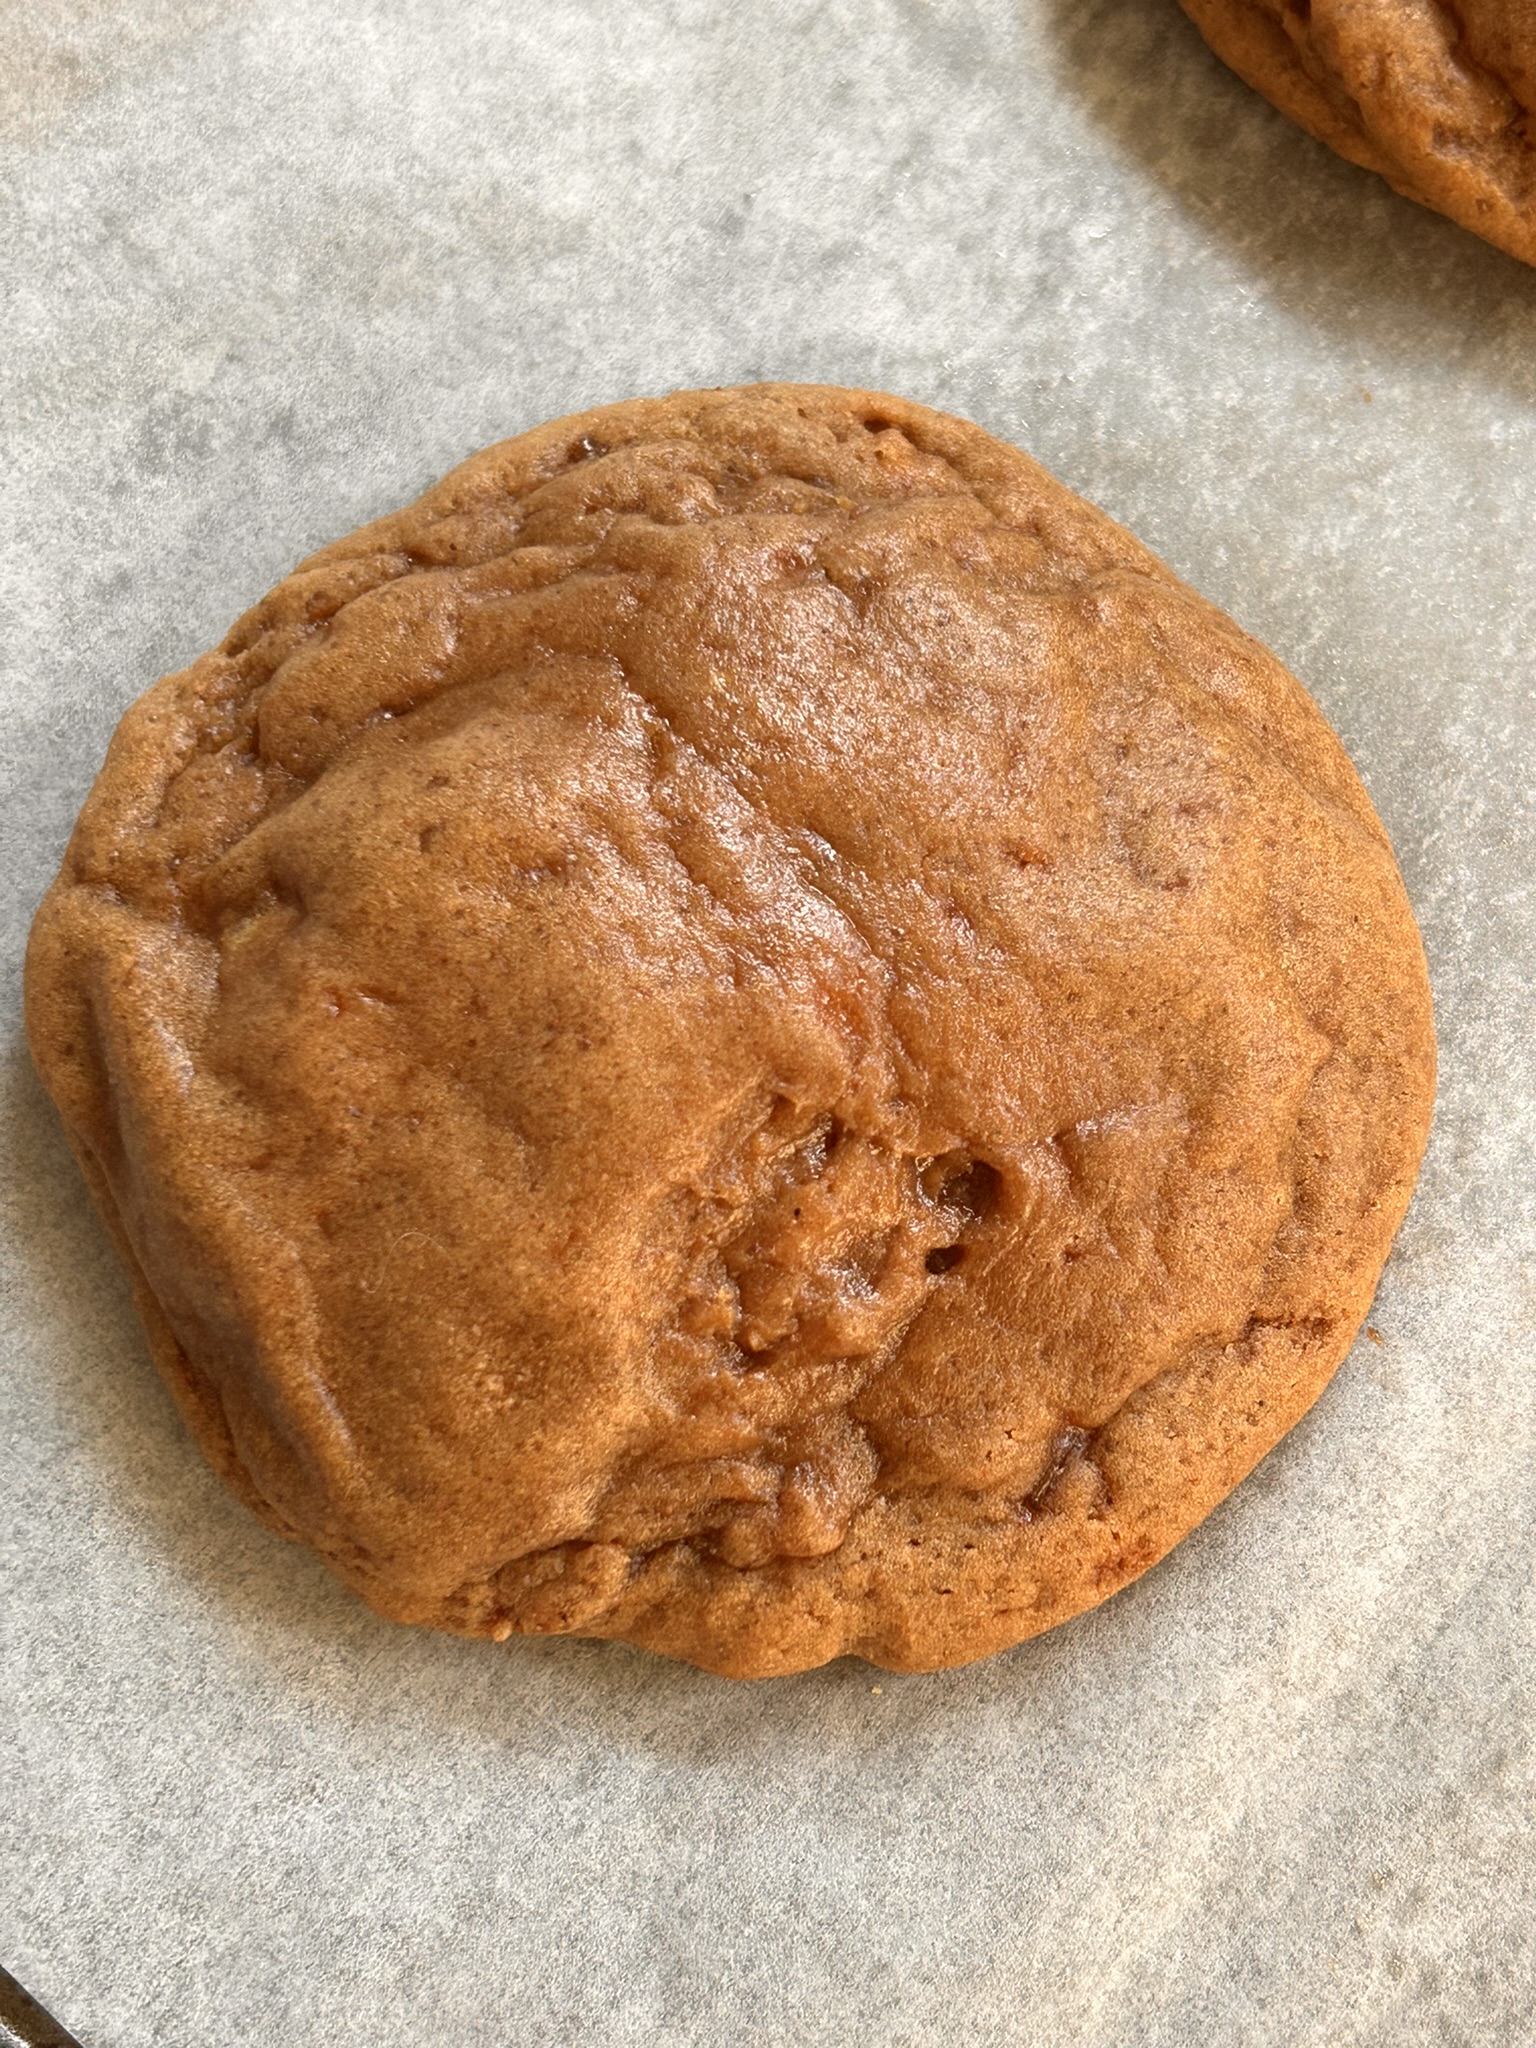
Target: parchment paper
273 265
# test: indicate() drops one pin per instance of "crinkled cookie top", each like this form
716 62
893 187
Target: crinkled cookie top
745 1029
1439 98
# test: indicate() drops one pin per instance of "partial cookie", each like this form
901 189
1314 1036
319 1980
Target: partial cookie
745 1029
1437 98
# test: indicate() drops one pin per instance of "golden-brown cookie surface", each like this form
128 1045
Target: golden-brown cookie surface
745 1029
1440 99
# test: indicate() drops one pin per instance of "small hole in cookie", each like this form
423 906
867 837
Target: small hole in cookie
972 1190
877 423
944 1258
587 450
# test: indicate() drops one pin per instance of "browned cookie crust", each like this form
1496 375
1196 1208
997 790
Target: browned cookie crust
1438 97
745 1029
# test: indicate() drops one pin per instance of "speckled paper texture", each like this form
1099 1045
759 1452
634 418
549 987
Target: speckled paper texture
270 266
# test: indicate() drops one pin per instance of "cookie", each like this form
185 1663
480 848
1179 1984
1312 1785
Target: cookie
1438 100
746 1029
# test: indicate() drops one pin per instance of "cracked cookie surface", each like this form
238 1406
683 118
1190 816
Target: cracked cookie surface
1437 96
745 1029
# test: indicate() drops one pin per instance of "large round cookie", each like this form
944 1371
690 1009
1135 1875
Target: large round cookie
1441 100
745 1029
